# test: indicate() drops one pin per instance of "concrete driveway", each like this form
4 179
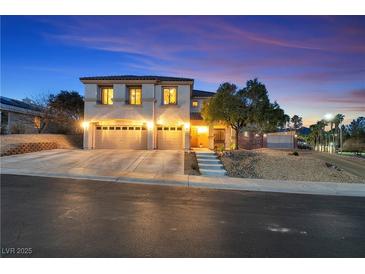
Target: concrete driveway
100 162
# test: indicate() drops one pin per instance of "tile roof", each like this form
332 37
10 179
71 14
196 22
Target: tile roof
202 93
136 77
18 103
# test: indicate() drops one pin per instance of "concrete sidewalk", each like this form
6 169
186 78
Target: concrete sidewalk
224 183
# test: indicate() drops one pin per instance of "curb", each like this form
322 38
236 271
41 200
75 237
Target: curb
219 183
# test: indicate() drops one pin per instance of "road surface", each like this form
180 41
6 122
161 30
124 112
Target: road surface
48 217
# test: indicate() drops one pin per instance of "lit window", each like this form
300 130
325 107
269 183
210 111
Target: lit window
106 95
135 96
37 122
195 104
169 96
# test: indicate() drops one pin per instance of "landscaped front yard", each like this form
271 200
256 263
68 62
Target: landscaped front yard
279 165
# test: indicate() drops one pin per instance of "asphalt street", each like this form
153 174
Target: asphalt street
48 217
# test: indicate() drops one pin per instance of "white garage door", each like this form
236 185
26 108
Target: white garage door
169 137
123 137
280 141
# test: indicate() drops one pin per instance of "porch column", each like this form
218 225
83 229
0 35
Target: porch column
211 137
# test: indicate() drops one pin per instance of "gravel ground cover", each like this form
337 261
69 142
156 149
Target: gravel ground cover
191 166
282 165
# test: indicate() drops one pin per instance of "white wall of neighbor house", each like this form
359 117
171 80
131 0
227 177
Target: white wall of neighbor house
152 111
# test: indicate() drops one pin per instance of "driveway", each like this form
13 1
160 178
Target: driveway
99 162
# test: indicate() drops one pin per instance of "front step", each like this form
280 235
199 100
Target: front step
209 161
209 164
214 173
212 156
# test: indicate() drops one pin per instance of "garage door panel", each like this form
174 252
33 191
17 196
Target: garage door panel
169 138
124 138
280 141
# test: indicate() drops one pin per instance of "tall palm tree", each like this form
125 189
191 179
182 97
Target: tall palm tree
321 126
337 120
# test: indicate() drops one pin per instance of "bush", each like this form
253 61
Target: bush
295 153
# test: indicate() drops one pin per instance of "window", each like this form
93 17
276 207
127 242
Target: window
169 96
37 122
195 104
106 95
135 95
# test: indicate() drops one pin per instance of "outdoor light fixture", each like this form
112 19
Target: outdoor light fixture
85 124
265 135
296 136
187 125
150 125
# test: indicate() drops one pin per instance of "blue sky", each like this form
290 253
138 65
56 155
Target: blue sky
311 65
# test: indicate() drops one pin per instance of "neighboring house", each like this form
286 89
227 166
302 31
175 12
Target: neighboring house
147 112
19 116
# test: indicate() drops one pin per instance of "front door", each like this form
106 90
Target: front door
219 137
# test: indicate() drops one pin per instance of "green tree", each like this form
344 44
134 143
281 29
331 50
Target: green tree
357 127
66 108
228 106
263 115
297 122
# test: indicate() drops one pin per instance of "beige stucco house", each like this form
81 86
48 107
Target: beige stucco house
147 112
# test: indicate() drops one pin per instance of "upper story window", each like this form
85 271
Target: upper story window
169 95
195 104
135 95
106 94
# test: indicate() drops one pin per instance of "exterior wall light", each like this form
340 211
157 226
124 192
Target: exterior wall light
187 126
85 124
150 125
265 135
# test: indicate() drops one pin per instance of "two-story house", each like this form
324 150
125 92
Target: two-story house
147 112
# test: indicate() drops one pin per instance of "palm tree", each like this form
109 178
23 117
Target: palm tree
314 135
321 126
337 121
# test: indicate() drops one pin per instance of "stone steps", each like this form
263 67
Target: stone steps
209 164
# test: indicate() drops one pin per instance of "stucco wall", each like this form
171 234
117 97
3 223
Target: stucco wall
200 104
171 114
